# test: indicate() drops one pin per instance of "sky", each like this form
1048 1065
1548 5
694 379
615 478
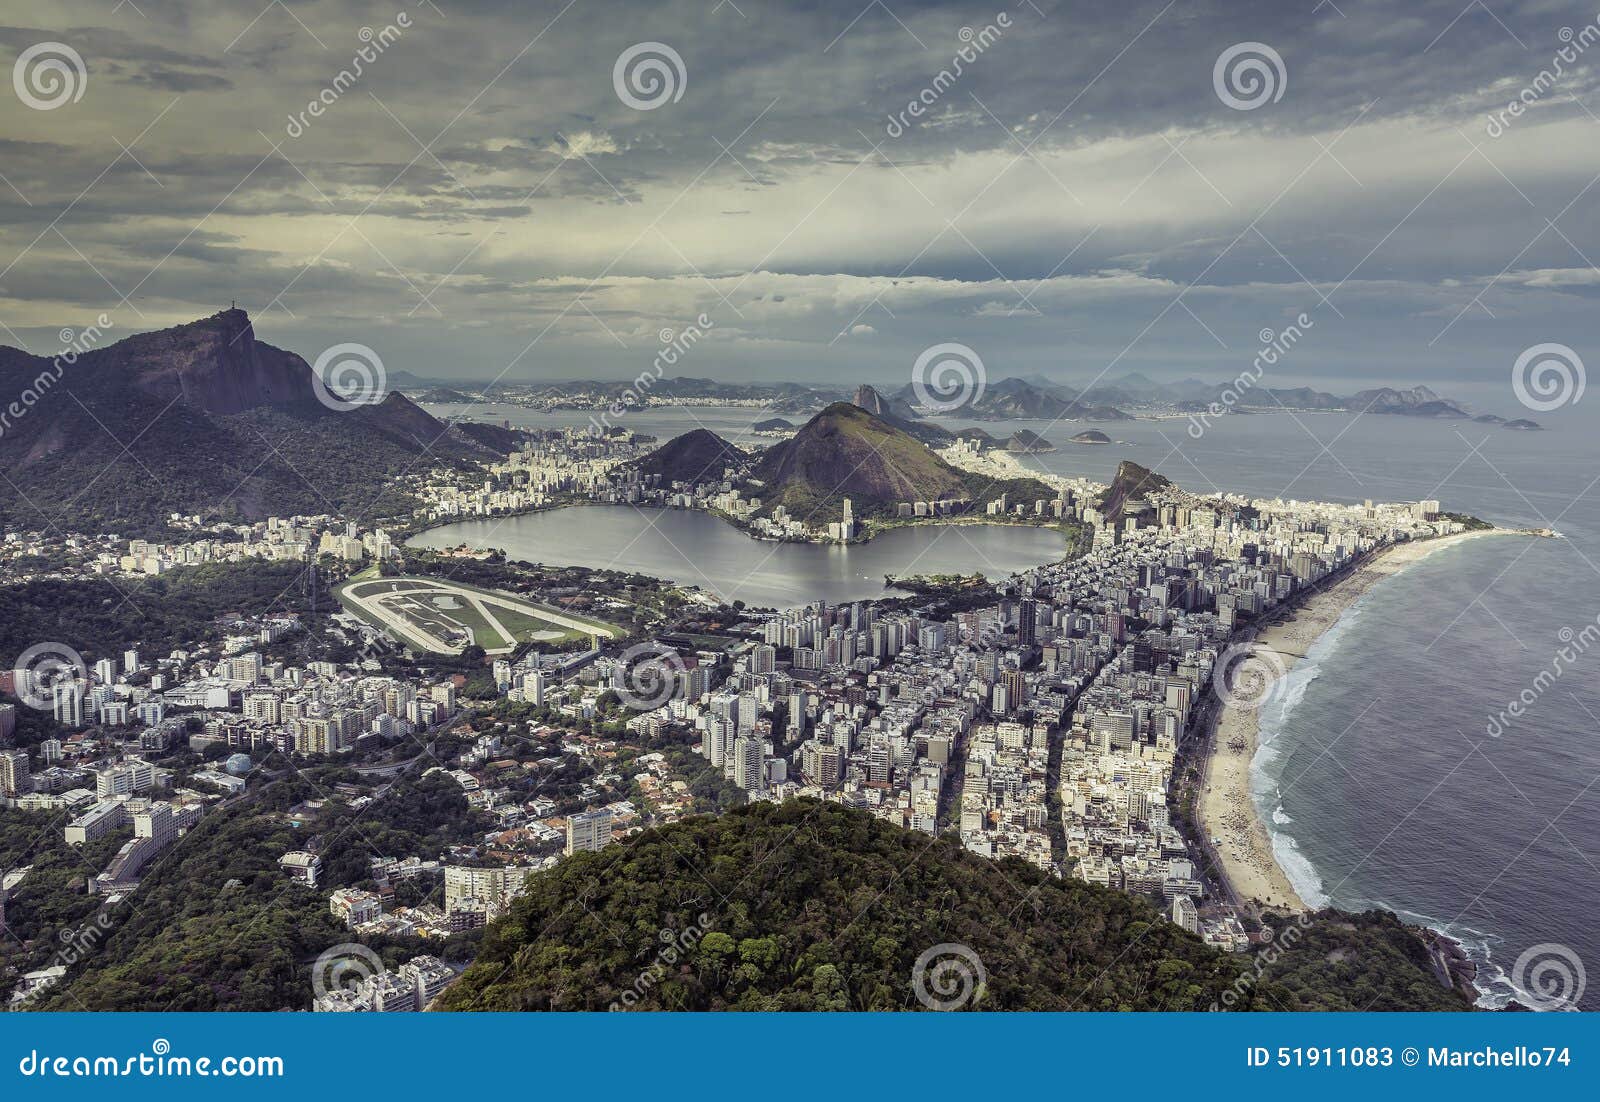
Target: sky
520 191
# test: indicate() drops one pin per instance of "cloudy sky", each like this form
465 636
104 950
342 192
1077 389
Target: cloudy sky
1084 194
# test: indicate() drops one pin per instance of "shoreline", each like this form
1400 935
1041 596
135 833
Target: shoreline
1244 861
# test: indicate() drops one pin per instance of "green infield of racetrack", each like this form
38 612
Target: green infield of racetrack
526 623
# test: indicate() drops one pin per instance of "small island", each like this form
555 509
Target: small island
1091 436
1027 442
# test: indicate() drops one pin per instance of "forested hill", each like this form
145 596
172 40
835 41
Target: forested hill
810 906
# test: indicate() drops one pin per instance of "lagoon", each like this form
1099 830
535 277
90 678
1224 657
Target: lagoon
698 549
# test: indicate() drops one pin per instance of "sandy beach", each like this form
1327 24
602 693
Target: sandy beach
1226 809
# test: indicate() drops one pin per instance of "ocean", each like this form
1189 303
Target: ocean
1392 771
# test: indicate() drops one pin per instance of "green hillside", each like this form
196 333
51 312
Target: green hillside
811 906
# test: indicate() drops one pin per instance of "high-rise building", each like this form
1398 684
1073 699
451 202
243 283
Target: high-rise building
717 740
533 687
16 775
588 830
749 768
1027 623
67 703
764 659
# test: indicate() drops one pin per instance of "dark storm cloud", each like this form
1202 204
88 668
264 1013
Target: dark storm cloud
480 182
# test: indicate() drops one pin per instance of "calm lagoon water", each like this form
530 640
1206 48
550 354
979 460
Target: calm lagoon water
693 548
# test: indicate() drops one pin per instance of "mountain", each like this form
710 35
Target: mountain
804 905
868 398
1028 442
898 412
697 456
440 395
1418 401
1194 396
1132 483
1020 398
847 452
202 419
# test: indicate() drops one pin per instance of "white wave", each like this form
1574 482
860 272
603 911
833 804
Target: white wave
1298 868
1494 985
1272 722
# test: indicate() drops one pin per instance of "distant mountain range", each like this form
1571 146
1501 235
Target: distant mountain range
203 419
1194 396
1011 399
1032 397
